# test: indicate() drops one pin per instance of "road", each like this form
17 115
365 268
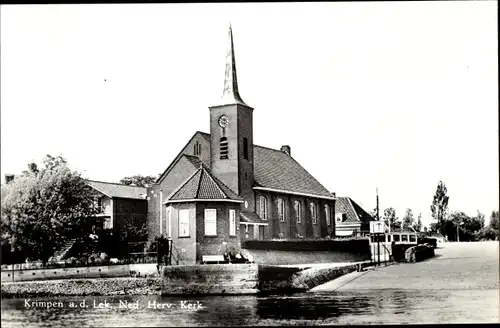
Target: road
456 266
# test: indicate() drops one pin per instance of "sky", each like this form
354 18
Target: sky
389 95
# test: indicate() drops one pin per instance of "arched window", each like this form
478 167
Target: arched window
328 215
281 209
298 211
314 213
263 207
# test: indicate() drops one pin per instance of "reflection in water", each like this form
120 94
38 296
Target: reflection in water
319 307
356 307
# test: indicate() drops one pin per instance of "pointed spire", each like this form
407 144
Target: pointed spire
231 94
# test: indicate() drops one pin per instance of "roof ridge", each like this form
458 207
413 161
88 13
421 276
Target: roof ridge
354 210
198 184
115 183
177 158
180 186
217 185
270 149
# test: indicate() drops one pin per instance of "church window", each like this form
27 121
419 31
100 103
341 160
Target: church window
298 211
210 222
327 215
314 213
223 148
281 209
184 223
245 148
263 207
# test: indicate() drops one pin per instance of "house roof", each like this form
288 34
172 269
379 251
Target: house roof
251 217
354 212
202 185
195 160
275 169
409 230
118 190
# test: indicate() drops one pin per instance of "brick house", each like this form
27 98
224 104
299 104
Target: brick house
271 194
120 205
350 218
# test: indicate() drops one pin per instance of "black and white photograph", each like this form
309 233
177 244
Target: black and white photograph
249 164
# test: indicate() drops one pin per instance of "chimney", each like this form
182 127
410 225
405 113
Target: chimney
286 149
334 195
9 178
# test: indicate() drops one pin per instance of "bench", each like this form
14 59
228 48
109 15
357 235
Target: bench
205 259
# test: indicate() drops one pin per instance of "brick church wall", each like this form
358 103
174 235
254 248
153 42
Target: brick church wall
179 173
213 245
290 228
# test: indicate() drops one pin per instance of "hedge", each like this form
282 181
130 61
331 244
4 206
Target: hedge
351 245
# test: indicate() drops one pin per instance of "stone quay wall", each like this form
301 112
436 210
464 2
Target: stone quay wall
102 271
210 279
248 278
83 287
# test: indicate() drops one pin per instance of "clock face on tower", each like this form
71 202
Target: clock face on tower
223 121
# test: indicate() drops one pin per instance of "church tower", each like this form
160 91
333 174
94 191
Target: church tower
231 130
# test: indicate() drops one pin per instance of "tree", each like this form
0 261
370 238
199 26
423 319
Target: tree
418 226
45 207
433 228
468 227
487 233
494 220
139 180
439 207
408 219
390 218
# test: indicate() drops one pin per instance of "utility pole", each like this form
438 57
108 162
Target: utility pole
378 216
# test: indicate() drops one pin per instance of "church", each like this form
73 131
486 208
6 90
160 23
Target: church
222 189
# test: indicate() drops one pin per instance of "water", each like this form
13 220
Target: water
346 307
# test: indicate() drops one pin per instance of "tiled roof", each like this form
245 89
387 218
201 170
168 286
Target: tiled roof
274 169
362 214
202 185
251 217
118 190
179 156
353 212
195 160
